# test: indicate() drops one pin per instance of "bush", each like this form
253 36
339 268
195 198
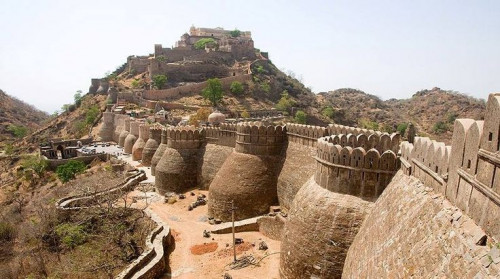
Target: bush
265 87
7 231
367 124
440 127
213 91
71 235
137 83
200 44
300 117
235 33
451 117
159 81
285 103
201 115
35 163
328 112
260 69
18 131
402 128
91 115
236 87
245 114
78 98
68 171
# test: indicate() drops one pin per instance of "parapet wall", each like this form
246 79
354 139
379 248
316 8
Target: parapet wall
467 172
260 140
354 171
185 138
190 89
224 135
305 134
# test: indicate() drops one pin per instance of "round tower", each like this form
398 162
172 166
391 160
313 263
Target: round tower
132 137
249 175
107 129
177 169
139 144
330 207
159 151
103 86
125 132
151 145
94 85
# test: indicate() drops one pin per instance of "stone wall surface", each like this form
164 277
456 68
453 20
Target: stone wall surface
320 228
298 166
422 235
151 145
176 171
211 158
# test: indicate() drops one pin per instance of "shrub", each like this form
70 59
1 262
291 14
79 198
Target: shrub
159 81
328 112
68 171
78 98
265 87
71 235
18 131
245 114
161 58
440 127
91 115
402 128
285 103
451 117
260 69
300 117
235 33
367 124
236 87
35 163
200 44
136 83
7 231
201 115
213 91
9 149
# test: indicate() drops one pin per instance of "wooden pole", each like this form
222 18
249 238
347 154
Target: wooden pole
234 238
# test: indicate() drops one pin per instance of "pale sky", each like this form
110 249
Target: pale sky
51 49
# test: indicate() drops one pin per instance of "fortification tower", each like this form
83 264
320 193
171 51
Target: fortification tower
139 144
249 174
125 131
159 151
94 85
103 86
327 211
151 145
177 169
108 128
132 137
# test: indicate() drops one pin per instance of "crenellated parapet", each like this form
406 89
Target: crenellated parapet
468 171
379 141
353 170
185 138
154 140
305 134
336 129
260 140
224 135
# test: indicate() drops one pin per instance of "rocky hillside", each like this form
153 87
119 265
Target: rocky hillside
18 118
431 111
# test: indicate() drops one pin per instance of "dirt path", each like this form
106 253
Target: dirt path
197 257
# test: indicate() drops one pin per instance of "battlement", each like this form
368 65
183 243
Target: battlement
379 141
185 138
467 172
225 134
259 140
305 134
336 129
353 170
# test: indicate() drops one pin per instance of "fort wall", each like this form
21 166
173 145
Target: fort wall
151 145
159 151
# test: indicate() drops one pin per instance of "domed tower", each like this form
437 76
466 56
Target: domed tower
125 132
249 174
152 144
330 207
139 144
159 151
107 128
132 137
177 170
216 118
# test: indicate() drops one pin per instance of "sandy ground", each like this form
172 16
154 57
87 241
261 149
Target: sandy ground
197 257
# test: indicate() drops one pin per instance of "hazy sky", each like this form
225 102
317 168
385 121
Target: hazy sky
51 49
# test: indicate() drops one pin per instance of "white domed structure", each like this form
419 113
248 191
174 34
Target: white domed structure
216 117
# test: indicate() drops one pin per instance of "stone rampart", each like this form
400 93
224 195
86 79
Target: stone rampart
378 141
54 163
152 144
467 172
103 86
305 134
190 89
106 133
159 151
94 85
336 129
177 170
140 143
122 128
130 139
224 135
260 140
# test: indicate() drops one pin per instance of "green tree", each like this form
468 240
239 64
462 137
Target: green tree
91 115
236 87
19 131
68 171
78 98
328 112
65 107
300 117
200 44
235 33
402 128
213 91
285 103
159 81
